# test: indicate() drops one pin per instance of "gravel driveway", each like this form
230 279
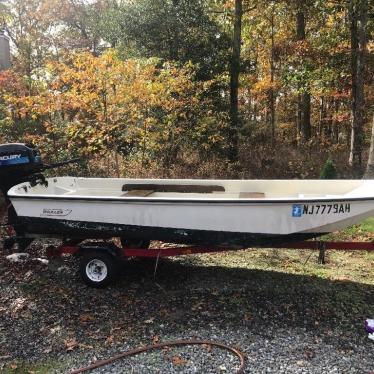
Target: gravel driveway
52 323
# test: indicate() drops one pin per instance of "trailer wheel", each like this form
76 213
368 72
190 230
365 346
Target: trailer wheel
98 268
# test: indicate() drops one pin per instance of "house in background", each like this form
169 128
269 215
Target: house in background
4 51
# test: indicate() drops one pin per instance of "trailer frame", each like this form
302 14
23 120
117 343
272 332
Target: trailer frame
110 255
106 257
73 247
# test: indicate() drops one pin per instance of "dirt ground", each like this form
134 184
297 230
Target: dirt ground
285 311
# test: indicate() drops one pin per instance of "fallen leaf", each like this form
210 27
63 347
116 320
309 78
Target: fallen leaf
85 317
247 317
85 346
18 304
71 344
308 354
178 361
155 339
208 347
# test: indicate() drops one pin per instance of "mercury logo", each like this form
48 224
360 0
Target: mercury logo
9 157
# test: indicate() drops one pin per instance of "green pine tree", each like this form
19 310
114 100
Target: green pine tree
329 170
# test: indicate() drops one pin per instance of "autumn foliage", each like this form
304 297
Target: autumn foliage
145 109
143 87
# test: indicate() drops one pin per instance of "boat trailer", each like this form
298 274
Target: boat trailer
99 261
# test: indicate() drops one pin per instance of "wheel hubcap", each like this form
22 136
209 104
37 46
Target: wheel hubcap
96 270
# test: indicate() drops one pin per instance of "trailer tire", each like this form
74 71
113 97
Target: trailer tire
98 268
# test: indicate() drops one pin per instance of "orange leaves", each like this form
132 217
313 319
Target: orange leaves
262 87
11 84
110 98
98 103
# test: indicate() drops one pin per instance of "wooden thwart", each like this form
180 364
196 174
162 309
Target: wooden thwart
142 193
183 188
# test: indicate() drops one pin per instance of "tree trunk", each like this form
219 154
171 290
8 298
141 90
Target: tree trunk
335 122
322 117
358 22
369 174
234 82
305 99
298 120
271 93
305 116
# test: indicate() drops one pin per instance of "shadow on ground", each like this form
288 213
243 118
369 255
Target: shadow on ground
45 311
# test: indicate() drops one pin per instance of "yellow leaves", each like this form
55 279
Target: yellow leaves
94 103
264 86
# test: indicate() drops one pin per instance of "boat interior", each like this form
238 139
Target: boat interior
197 189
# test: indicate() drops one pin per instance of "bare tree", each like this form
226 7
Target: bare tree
358 21
234 80
369 173
304 100
272 95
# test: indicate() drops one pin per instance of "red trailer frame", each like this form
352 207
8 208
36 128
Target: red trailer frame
72 247
100 260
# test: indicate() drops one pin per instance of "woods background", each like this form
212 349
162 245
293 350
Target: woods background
192 88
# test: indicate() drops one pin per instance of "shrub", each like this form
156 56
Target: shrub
329 170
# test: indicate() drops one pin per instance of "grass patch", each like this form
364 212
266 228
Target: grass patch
37 368
356 266
362 232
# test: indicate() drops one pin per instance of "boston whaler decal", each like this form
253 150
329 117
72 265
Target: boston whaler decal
298 210
55 212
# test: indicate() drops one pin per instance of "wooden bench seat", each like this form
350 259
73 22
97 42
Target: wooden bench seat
182 188
140 193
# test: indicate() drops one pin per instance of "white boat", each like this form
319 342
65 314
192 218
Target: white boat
216 212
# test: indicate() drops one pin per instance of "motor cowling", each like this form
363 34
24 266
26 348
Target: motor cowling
18 162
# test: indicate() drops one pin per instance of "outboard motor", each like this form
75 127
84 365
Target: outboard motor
18 163
21 163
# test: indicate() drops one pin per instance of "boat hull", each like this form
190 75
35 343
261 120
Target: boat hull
81 229
234 224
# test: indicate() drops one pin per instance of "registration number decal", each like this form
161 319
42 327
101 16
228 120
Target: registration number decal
298 210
